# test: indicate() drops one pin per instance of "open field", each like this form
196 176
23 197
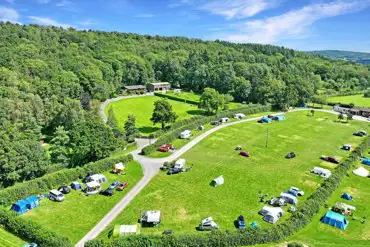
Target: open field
142 108
75 216
9 240
187 198
186 95
357 234
358 100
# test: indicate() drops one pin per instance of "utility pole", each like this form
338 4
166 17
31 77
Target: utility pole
267 137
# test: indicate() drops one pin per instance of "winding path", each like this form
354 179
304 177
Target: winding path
151 167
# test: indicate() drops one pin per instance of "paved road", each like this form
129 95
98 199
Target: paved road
108 101
151 167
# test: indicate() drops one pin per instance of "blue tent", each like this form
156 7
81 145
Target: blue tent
265 120
303 105
347 196
32 202
20 206
76 186
280 118
335 219
366 161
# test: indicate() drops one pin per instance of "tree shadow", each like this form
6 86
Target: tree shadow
148 129
195 112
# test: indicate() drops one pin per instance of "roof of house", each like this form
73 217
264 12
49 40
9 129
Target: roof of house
160 83
135 87
360 109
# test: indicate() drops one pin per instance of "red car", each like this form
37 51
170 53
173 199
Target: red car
122 186
165 148
245 154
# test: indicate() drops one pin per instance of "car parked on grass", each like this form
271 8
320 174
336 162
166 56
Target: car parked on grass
56 196
114 185
290 155
122 186
360 133
107 192
245 154
174 171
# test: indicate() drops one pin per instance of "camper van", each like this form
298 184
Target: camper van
186 134
322 172
92 188
208 224
56 195
151 218
239 116
224 120
180 164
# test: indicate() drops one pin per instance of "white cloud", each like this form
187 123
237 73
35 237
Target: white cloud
47 22
10 1
9 14
144 16
180 3
86 23
237 9
64 3
43 1
293 24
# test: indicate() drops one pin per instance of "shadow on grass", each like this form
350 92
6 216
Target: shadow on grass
148 129
195 112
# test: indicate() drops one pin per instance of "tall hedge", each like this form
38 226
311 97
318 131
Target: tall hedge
249 236
30 231
56 179
192 123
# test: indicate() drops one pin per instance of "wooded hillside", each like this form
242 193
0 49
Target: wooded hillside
52 78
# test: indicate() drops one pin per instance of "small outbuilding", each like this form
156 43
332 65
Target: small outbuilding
335 219
361 172
366 161
218 181
186 134
125 230
279 118
76 185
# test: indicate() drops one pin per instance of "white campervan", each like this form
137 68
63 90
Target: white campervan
56 195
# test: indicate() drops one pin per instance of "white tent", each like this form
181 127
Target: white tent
185 134
180 163
362 172
218 181
151 217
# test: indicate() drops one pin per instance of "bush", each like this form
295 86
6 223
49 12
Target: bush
295 244
30 231
53 180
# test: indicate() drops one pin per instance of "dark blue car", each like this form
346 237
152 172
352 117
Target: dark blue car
174 171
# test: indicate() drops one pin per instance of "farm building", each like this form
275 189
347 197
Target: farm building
360 111
135 88
340 109
335 219
158 86
185 134
125 230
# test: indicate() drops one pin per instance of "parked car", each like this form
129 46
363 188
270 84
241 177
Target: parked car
298 191
64 189
290 155
238 147
107 192
122 186
56 195
360 133
114 185
174 171
245 154
241 222
166 148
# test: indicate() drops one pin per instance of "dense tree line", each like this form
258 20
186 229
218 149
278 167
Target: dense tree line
51 80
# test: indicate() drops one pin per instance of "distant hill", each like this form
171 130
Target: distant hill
358 57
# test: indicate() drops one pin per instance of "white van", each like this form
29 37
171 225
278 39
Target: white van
56 195
100 178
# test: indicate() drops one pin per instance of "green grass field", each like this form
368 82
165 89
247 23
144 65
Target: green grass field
357 234
75 216
358 100
9 240
187 198
186 95
142 108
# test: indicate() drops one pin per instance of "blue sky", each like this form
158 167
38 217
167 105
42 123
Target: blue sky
298 24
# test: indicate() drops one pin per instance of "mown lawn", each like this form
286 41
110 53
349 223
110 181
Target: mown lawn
187 198
78 214
9 240
142 108
186 95
357 234
358 100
